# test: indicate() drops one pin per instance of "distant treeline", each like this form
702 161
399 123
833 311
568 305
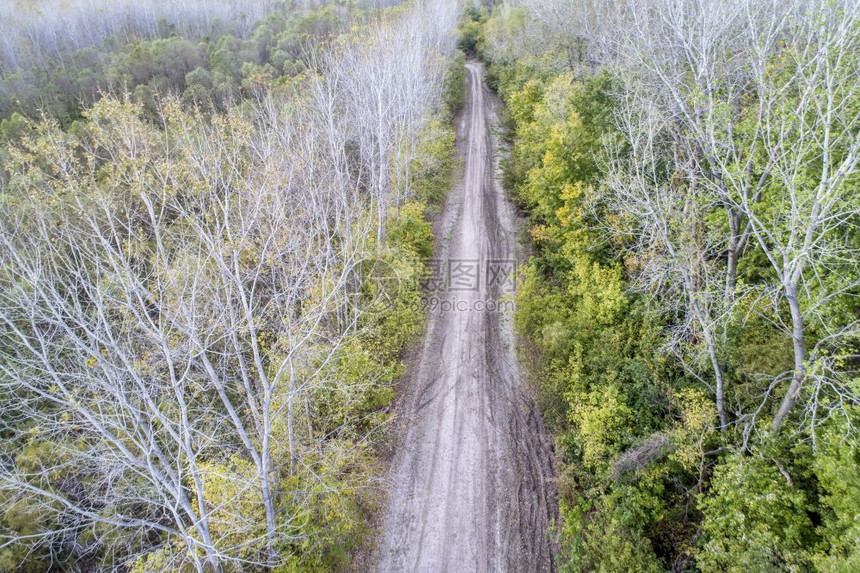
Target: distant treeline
56 59
38 30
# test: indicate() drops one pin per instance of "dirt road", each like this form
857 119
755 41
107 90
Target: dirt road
471 487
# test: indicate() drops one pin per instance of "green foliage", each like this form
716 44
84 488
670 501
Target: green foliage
434 163
339 398
599 353
360 388
470 40
14 127
599 378
837 466
454 89
214 69
604 544
395 316
648 481
225 491
24 517
645 483
754 520
601 419
410 231
330 514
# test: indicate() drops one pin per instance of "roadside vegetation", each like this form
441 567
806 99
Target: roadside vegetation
214 224
211 261
689 170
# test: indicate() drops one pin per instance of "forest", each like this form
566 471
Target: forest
217 222
61 60
195 370
690 173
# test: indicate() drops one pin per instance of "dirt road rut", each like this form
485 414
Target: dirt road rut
471 481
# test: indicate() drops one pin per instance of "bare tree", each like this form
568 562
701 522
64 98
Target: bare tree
739 134
389 99
804 214
678 255
48 29
192 269
173 296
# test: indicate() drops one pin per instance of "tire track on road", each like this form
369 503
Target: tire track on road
473 476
